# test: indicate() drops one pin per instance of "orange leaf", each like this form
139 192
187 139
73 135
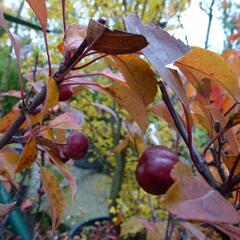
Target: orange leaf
8 119
162 111
66 173
229 161
51 96
203 63
122 145
131 102
8 163
66 120
138 75
28 155
40 9
55 196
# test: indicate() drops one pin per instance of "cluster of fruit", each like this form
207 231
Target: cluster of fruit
154 167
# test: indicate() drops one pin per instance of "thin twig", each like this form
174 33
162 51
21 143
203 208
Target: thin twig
209 12
64 15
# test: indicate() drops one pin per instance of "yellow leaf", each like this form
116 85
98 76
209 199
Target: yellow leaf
202 63
28 156
66 173
34 120
139 76
52 95
229 161
129 100
55 195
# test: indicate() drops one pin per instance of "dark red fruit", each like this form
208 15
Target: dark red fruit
63 153
77 146
41 191
154 168
65 93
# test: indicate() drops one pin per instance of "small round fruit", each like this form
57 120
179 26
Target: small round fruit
77 146
65 93
63 149
154 168
41 191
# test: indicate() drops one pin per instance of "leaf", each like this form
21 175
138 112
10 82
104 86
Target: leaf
131 226
229 161
16 46
66 120
74 36
131 102
113 42
104 108
28 155
122 145
6 208
138 75
231 137
8 119
155 230
161 110
12 93
231 231
9 155
162 50
9 160
191 198
66 173
55 196
40 10
52 95
210 65
193 230
233 120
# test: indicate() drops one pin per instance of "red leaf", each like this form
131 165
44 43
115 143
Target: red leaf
113 42
40 9
232 231
191 198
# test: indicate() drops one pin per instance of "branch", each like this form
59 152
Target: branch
198 161
210 15
63 70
